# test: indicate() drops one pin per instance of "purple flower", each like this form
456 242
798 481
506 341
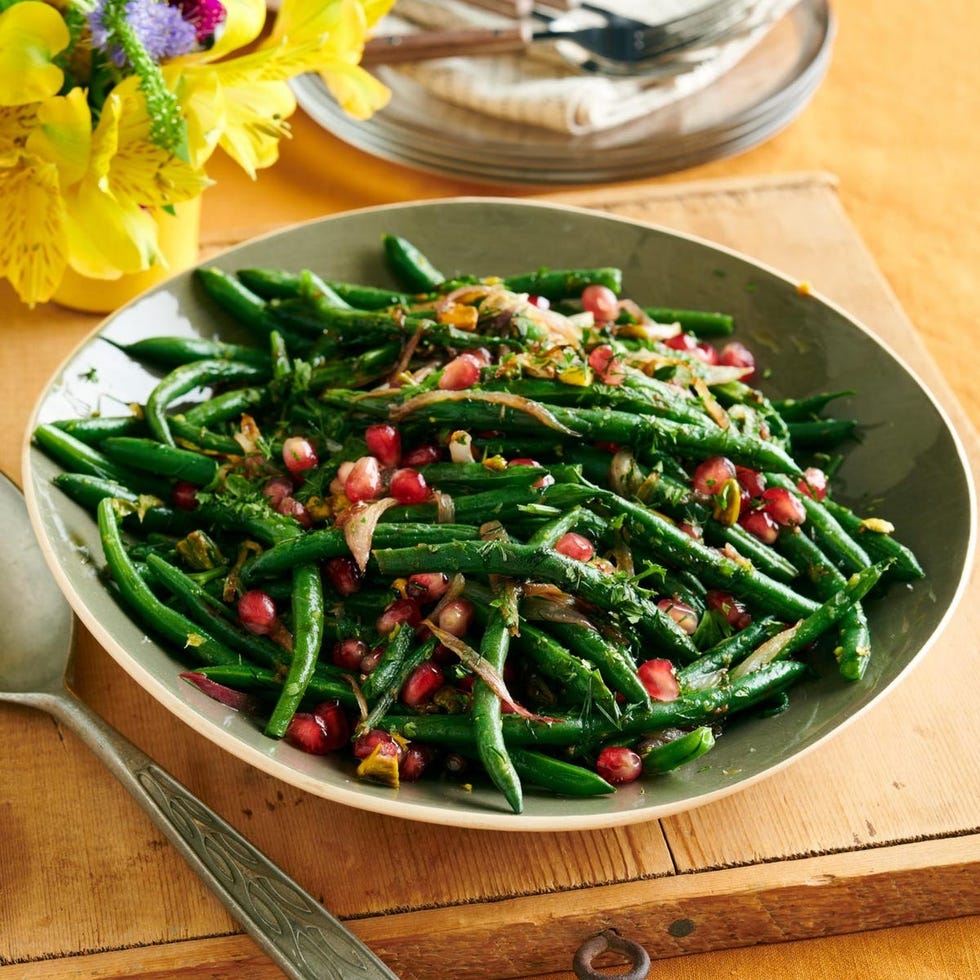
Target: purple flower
159 28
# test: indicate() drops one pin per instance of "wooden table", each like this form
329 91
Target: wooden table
91 890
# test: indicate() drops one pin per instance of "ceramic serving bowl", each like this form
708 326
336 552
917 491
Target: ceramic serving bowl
907 449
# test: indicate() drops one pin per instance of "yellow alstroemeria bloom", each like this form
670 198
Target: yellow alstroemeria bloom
111 227
31 34
255 101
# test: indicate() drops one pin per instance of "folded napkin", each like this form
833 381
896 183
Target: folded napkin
545 88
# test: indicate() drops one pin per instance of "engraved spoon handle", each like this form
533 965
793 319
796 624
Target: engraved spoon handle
303 939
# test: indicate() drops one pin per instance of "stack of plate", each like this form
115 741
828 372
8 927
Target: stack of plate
748 104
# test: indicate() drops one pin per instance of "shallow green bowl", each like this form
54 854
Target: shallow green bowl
908 450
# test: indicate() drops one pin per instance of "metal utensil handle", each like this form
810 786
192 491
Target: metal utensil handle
393 49
303 939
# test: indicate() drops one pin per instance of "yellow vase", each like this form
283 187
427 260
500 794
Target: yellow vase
178 237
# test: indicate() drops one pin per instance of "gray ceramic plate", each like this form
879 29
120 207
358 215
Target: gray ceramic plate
907 450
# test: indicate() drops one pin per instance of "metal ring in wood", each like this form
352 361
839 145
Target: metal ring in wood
591 948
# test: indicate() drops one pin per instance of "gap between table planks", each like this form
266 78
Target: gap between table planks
870 830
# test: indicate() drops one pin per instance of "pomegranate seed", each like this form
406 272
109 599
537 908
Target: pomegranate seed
299 455
364 480
257 612
184 495
541 302
427 586
384 443
422 455
658 677
408 486
601 302
399 611
524 461
710 475
414 761
291 507
349 652
784 507
332 718
576 546
321 731
814 483
706 353
422 683
736 354
343 574
760 524
735 613
681 613
276 489
364 744
751 481
456 617
619 765
463 371
682 341
604 362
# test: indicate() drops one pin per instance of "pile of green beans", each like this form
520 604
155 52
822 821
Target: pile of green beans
575 428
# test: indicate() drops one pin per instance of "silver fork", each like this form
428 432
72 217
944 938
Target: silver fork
620 42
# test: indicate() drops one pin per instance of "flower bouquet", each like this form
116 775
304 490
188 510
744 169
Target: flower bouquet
111 109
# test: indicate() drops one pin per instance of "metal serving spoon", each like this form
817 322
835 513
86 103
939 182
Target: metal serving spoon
303 939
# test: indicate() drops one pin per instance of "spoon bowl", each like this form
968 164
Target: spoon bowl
304 940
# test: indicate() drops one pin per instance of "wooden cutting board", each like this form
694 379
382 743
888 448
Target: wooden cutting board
881 826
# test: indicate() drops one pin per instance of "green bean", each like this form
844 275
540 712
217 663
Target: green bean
675 547
251 677
521 561
820 433
555 775
226 406
404 657
875 538
332 543
611 659
579 679
805 409
410 266
185 378
171 352
93 430
307 640
678 752
168 461
703 323
559 284
209 613
77 456
202 438
487 714
712 665
87 490
157 615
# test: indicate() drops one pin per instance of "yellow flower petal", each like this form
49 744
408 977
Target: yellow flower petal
255 122
106 236
203 101
31 34
357 91
63 135
16 124
244 20
33 245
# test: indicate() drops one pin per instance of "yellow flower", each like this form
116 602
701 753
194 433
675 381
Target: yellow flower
81 182
31 34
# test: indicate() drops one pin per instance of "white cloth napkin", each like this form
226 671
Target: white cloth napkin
544 88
